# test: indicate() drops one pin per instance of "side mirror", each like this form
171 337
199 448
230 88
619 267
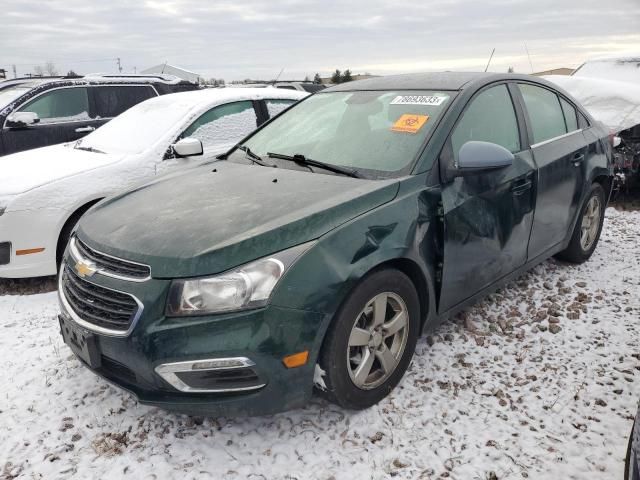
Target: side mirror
22 119
477 156
616 141
188 147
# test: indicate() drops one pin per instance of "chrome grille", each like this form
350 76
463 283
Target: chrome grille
108 265
96 305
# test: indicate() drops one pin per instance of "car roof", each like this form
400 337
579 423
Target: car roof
209 97
431 81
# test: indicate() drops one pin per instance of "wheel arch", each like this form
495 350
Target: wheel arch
71 220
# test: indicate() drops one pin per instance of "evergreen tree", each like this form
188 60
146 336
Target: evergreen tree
346 76
336 77
317 79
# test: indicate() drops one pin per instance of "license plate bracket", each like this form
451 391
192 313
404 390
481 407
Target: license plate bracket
83 343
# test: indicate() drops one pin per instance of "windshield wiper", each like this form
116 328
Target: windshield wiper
302 160
255 158
88 149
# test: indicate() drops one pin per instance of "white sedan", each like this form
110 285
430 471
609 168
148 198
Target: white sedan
44 192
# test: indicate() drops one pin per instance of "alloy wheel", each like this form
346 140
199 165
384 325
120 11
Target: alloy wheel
377 340
590 223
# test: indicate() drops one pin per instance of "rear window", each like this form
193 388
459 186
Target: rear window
545 112
111 101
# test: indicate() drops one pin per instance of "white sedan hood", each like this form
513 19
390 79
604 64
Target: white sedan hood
24 171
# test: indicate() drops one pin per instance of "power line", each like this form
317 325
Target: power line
68 61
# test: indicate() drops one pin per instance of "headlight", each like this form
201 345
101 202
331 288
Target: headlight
248 286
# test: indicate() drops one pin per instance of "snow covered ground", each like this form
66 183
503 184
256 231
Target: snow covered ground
539 381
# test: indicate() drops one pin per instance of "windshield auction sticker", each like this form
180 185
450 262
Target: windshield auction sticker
418 100
409 123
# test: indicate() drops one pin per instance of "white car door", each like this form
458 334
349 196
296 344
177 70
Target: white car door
218 129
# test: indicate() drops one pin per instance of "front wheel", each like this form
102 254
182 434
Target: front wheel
588 228
371 342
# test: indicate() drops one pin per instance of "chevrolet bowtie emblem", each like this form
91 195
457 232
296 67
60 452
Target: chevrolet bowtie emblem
85 268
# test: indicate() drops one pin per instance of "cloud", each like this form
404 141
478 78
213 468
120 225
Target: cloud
256 39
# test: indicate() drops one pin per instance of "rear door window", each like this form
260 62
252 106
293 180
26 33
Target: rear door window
569 115
490 117
224 124
274 107
60 105
545 112
110 101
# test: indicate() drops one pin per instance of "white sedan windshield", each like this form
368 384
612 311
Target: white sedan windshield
139 128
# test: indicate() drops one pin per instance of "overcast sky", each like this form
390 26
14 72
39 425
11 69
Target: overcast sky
256 39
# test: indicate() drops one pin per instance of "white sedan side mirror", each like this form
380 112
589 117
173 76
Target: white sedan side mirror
22 119
188 147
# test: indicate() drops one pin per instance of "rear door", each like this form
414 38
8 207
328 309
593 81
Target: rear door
276 106
559 150
488 214
108 101
61 111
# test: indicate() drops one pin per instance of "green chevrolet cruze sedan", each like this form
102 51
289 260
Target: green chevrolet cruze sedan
317 250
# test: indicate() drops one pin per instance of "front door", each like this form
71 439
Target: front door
559 149
487 215
218 129
64 116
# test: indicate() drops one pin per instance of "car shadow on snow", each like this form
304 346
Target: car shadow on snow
27 286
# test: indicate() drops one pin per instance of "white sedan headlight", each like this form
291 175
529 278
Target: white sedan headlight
248 286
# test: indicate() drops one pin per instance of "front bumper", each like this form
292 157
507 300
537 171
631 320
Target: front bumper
263 336
26 230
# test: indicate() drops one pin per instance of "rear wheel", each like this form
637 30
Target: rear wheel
372 340
588 228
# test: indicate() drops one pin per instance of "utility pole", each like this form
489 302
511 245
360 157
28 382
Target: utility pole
119 65
15 75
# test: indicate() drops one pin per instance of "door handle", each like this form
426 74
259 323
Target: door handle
521 186
578 158
85 129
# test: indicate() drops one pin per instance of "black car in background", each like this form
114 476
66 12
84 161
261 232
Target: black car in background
36 112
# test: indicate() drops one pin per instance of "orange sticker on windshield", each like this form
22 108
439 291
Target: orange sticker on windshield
409 123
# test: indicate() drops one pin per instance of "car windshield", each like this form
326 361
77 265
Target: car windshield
9 94
375 133
139 128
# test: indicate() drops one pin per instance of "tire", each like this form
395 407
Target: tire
579 250
347 384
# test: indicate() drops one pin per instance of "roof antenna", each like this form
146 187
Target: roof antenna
489 62
274 82
529 56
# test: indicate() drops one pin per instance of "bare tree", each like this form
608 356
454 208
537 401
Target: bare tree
38 71
50 68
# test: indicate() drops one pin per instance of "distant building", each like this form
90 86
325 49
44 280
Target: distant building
555 71
364 76
173 70
3 73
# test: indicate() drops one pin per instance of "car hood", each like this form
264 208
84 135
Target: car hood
24 171
221 215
